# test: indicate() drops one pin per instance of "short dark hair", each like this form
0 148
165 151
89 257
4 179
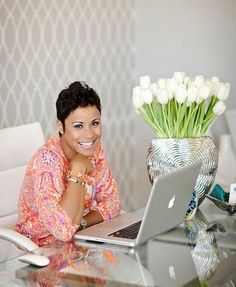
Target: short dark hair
78 94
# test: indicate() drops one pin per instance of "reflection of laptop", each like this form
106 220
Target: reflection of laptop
165 209
171 264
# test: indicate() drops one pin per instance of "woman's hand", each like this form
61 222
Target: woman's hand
80 163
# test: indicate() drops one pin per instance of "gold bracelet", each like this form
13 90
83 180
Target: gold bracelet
76 180
78 174
75 176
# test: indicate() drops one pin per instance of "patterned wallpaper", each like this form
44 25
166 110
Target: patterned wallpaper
45 45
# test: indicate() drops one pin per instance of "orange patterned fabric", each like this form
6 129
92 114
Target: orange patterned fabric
41 218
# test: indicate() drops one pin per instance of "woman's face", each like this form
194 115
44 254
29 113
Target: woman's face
82 131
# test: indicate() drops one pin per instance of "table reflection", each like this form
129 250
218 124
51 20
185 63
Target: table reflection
89 265
198 253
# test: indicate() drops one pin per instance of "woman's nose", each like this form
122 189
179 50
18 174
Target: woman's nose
88 131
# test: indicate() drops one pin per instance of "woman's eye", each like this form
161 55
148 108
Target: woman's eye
78 126
96 123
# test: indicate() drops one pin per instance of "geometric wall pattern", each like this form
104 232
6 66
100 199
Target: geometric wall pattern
45 45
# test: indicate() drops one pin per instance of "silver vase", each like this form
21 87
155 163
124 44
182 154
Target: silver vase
166 155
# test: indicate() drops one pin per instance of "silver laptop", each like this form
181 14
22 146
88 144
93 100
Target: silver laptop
165 209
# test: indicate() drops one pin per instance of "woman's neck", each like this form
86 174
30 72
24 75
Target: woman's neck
68 151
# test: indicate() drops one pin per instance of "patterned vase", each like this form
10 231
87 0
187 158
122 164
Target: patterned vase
169 154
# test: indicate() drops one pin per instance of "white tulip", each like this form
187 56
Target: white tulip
210 85
223 91
153 88
219 108
147 96
215 85
187 81
162 96
227 85
198 81
137 98
137 91
161 83
179 77
171 85
192 94
215 80
204 92
215 88
199 99
144 82
181 94
170 95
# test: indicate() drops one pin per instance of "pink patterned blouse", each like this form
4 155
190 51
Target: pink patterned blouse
41 218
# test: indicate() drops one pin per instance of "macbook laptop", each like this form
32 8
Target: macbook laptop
165 209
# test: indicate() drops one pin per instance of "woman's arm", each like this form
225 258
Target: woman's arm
72 201
52 216
60 205
106 192
75 193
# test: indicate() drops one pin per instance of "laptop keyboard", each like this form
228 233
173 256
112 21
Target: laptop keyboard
130 232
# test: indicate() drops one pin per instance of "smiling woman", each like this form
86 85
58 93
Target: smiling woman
68 184
82 131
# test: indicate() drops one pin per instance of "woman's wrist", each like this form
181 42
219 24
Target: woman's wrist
83 224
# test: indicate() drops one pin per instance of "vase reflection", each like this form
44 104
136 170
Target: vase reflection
203 248
206 255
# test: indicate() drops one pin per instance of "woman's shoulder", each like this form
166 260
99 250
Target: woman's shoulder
51 152
99 152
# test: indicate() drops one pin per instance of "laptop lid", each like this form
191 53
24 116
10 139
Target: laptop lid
165 209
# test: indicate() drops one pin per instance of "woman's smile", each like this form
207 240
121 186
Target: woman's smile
87 145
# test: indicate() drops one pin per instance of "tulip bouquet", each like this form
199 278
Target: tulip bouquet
180 107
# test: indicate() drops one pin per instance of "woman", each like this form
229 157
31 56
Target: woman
68 184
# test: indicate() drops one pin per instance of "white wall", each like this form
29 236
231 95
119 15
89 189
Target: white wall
194 36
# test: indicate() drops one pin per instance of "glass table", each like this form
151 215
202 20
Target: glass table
200 252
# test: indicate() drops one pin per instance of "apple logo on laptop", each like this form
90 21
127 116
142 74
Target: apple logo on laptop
172 272
171 202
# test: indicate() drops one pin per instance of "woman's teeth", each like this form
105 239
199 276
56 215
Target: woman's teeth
86 144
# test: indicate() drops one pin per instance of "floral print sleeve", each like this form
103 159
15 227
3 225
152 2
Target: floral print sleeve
52 216
40 214
107 199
